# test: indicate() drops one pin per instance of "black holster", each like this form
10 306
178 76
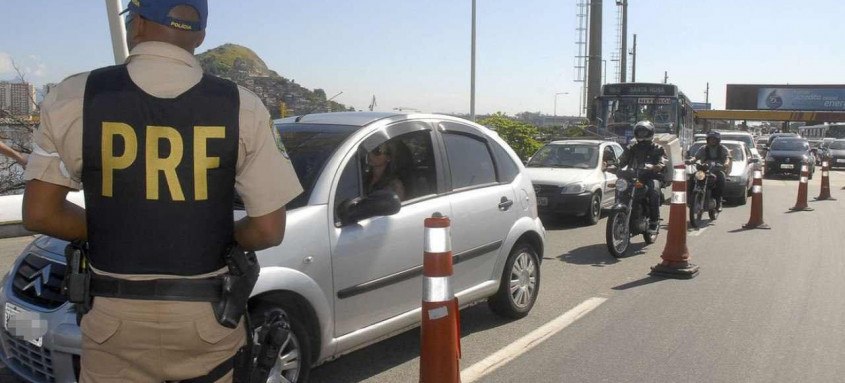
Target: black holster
237 286
254 363
76 285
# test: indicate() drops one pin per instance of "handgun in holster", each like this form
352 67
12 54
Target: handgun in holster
238 283
272 336
77 282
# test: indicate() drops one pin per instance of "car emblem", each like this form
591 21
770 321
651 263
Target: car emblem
42 277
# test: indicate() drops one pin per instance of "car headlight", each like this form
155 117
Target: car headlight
699 175
573 189
621 185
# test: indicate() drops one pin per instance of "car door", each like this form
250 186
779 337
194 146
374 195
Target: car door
377 262
484 204
609 189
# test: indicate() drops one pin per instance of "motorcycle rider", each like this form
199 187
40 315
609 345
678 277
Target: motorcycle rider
719 154
648 156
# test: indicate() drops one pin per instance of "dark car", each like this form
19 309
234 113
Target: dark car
787 154
775 136
836 154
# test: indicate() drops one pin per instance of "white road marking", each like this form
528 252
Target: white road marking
696 233
528 342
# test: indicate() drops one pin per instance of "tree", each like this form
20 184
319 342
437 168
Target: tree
15 145
519 135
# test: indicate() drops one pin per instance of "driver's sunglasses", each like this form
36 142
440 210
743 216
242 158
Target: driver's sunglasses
380 150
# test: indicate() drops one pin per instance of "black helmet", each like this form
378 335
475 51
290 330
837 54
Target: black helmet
716 135
644 131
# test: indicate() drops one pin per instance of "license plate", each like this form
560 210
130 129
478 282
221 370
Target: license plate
787 166
23 323
542 201
840 160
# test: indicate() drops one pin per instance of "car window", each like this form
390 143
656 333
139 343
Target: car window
470 161
579 156
608 154
508 169
404 164
790 145
736 153
838 145
349 185
618 149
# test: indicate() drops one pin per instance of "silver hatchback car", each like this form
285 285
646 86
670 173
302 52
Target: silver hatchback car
349 271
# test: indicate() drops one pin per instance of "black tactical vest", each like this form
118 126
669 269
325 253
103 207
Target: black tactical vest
158 174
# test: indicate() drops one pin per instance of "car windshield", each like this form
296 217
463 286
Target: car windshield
579 156
629 110
309 146
736 152
790 145
747 139
839 145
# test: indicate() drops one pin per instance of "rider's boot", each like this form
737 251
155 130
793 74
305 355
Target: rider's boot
653 225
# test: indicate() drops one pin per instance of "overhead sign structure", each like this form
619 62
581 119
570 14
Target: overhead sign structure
810 98
701 106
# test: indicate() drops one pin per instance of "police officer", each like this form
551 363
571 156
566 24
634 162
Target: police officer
717 153
648 156
160 148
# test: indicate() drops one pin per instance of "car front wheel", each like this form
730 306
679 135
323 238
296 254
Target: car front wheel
519 285
293 363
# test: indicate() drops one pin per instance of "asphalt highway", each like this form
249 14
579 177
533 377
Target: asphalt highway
764 308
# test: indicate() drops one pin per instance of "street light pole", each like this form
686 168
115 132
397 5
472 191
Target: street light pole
472 69
329 101
555 110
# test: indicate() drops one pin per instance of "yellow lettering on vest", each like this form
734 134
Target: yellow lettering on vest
202 162
111 162
156 164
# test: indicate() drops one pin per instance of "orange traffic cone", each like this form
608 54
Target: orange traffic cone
756 220
440 336
801 203
675 255
825 192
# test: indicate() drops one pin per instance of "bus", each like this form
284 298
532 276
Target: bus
818 132
620 106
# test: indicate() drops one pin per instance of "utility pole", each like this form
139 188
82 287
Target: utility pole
665 77
634 61
472 70
118 31
707 94
594 73
623 55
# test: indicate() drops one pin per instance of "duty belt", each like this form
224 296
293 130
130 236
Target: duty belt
191 290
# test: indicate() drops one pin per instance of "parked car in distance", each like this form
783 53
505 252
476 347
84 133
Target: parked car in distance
786 155
570 178
349 271
739 178
836 153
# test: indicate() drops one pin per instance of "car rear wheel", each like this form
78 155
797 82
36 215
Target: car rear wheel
519 285
293 364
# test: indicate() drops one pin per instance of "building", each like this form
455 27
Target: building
18 99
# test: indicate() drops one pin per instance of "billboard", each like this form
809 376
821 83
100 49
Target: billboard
827 98
701 106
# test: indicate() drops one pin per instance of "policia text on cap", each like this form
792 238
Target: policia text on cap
160 148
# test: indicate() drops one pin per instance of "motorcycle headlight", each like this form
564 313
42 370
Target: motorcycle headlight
699 175
621 185
573 189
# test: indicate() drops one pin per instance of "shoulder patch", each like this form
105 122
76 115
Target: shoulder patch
277 136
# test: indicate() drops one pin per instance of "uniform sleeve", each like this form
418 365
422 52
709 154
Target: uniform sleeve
45 162
265 177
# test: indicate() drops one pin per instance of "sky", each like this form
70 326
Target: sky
416 54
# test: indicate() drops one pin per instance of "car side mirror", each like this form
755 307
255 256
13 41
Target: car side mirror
377 203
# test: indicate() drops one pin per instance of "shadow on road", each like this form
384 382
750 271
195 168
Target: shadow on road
392 352
597 254
641 282
562 223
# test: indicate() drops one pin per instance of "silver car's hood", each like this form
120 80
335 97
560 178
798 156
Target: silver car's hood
558 176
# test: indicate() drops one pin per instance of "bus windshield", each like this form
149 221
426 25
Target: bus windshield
630 110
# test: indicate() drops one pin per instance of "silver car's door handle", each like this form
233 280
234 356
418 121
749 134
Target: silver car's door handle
505 204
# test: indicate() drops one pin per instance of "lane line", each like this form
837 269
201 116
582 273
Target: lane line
528 342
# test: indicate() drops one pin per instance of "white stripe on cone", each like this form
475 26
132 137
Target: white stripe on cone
803 179
437 289
804 168
825 164
679 198
680 175
756 189
437 240
758 174
825 174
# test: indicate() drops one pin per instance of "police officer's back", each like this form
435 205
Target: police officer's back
650 159
160 148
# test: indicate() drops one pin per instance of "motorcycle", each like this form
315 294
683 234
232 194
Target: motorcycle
703 181
629 216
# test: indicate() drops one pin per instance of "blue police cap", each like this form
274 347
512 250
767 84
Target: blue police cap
157 10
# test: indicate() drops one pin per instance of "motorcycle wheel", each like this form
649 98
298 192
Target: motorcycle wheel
617 234
695 211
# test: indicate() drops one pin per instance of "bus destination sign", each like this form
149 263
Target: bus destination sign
634 89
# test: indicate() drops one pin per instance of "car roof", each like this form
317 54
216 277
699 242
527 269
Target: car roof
339 118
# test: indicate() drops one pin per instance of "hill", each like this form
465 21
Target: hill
243 66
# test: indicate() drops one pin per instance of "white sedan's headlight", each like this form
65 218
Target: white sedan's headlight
577 188
699 175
